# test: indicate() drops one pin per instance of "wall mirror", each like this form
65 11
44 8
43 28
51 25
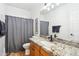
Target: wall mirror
44 26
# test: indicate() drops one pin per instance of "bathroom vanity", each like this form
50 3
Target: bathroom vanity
43 47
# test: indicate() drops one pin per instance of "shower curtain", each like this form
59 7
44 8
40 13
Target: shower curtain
18 32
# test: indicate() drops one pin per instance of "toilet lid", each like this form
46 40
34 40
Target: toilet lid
26 44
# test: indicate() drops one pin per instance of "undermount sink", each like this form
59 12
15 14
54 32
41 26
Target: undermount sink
47 43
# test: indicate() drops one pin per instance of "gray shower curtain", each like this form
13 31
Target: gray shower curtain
18 32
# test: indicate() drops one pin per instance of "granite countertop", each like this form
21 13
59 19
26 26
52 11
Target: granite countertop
58 47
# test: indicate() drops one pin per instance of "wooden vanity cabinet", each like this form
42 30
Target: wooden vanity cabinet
36 50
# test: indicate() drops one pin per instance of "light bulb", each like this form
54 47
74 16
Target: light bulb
52 6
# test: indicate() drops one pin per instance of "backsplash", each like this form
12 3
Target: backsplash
67 42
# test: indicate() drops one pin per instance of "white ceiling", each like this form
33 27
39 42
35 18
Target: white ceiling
27 6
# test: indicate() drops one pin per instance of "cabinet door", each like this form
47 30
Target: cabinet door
32 52
37 49
36 52
43 53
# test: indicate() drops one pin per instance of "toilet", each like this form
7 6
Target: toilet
26 46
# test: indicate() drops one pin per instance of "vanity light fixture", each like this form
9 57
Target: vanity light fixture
48 6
